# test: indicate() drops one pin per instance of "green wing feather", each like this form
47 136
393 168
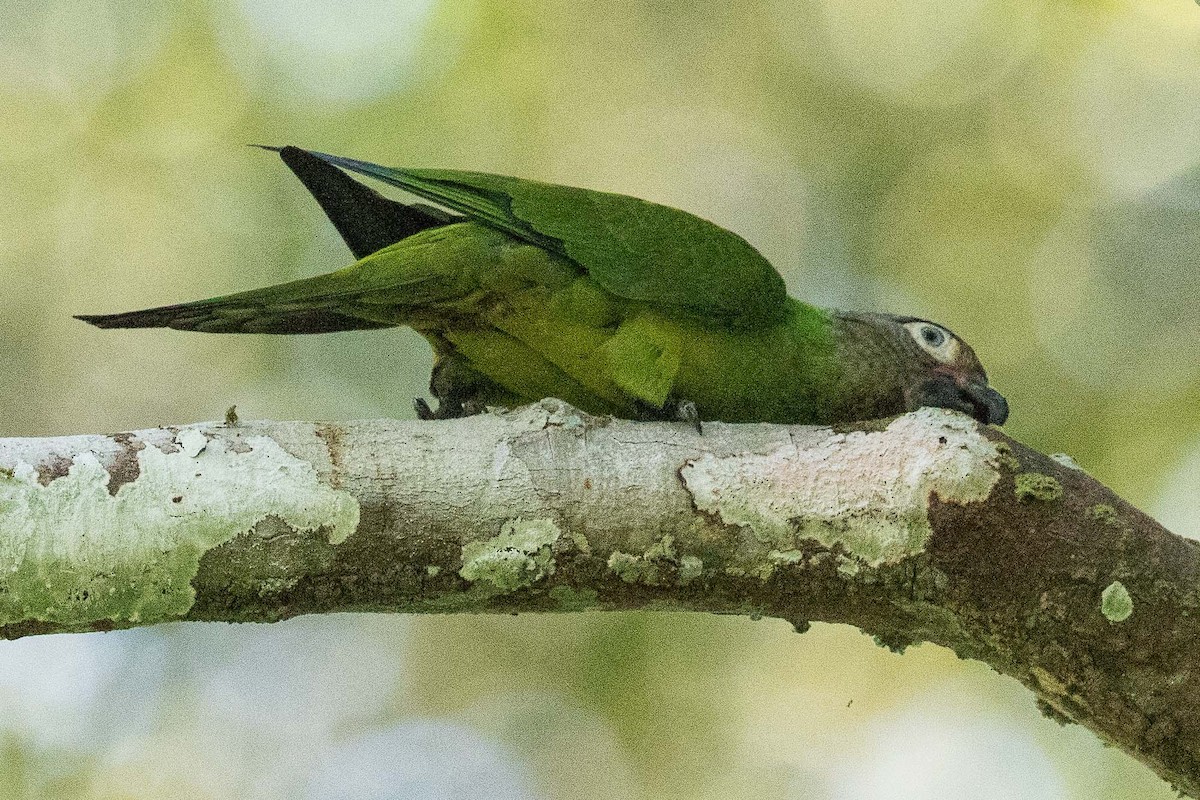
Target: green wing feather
633 248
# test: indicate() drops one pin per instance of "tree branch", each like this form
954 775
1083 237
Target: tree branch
924 528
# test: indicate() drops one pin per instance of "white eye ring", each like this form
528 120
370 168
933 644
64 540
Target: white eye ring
935 340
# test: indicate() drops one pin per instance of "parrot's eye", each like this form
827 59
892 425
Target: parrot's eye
935 340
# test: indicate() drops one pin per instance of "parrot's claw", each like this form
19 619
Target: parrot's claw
472 407
685 411
422 408
447 409
672 411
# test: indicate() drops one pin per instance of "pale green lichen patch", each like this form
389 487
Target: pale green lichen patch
1006 458
270 586
1104 514
847 567
633 569
690 568
1067 461
72 553
868 491
654 566
776 558
520 555
581 543
663 549
1031 486
786 556
1115 602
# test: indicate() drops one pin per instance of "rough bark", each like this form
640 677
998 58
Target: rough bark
924 528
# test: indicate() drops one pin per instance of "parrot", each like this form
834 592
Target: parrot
619 306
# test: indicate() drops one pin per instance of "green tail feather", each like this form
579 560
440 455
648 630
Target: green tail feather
215 317
418 274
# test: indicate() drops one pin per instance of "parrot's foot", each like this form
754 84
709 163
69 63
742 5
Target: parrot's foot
472 407
422 408
445 410
448 410
671 411
683 411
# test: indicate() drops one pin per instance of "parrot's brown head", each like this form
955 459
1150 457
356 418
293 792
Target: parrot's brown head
923 363
953 377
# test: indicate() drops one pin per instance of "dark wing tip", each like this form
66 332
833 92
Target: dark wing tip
288 152
366 220
148 318
297 158
92 319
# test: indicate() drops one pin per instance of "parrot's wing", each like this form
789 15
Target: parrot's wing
366 220
633 248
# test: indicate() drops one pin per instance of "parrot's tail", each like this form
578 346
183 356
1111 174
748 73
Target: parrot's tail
420 274
231 316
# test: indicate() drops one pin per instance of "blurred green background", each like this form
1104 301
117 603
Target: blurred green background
1026 172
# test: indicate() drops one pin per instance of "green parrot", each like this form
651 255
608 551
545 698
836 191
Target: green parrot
617 305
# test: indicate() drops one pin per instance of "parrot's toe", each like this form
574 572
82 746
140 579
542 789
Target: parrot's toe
422 408
686 411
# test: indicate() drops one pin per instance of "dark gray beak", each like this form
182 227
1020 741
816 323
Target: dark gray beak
990 407
975 398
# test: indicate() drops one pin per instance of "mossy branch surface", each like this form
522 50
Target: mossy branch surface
923 528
